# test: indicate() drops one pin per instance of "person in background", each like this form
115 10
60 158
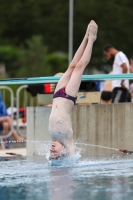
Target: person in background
131 91
131 71
106 93
120 88
5 123
131 64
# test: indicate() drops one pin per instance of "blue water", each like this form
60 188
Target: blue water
69 179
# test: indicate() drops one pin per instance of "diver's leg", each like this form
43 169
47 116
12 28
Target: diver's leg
67 75
75 80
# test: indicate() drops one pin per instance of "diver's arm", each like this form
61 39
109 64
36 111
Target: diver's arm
71 148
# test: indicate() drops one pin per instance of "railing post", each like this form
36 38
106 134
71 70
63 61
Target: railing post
17 105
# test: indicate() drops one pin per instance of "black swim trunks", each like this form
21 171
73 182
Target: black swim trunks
106 95
120 95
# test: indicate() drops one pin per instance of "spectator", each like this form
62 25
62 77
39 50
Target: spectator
5 122
106 93
131 90
120 88
131 64
131 71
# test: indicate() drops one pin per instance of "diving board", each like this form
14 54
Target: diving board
55 79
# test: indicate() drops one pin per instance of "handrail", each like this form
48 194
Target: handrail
17 104
55 79
12 105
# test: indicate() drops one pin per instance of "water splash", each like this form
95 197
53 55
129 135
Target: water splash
42 149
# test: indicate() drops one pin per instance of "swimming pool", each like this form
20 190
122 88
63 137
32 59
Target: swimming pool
84 178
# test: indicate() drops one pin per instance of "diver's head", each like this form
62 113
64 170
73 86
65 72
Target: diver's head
57 150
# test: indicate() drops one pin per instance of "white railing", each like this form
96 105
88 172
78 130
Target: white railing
18 105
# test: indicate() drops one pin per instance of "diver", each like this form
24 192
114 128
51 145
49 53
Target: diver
65 95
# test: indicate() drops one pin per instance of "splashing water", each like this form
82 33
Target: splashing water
74 177
42 149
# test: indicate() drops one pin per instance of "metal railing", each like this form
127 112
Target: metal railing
50 79
18 105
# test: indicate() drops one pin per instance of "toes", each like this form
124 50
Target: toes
93 22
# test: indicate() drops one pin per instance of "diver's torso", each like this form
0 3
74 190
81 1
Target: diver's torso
60 126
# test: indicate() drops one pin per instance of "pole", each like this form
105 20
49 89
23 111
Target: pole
70 30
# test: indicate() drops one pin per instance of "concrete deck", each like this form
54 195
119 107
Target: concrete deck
21 151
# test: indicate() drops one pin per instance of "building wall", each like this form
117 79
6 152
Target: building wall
105 125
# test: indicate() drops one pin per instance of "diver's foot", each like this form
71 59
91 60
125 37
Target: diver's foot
92 30
88 31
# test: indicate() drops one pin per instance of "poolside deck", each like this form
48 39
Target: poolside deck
19 151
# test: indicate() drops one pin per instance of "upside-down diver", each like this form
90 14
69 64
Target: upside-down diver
65 95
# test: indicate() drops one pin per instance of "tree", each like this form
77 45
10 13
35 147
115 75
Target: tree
9 56
32 58
20 20
36 61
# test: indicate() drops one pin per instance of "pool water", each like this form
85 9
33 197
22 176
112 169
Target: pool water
68 179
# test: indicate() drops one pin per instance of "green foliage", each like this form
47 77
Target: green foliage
57 62
20 20
114 19
32 58
8 53
32 30
35 61
10 56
